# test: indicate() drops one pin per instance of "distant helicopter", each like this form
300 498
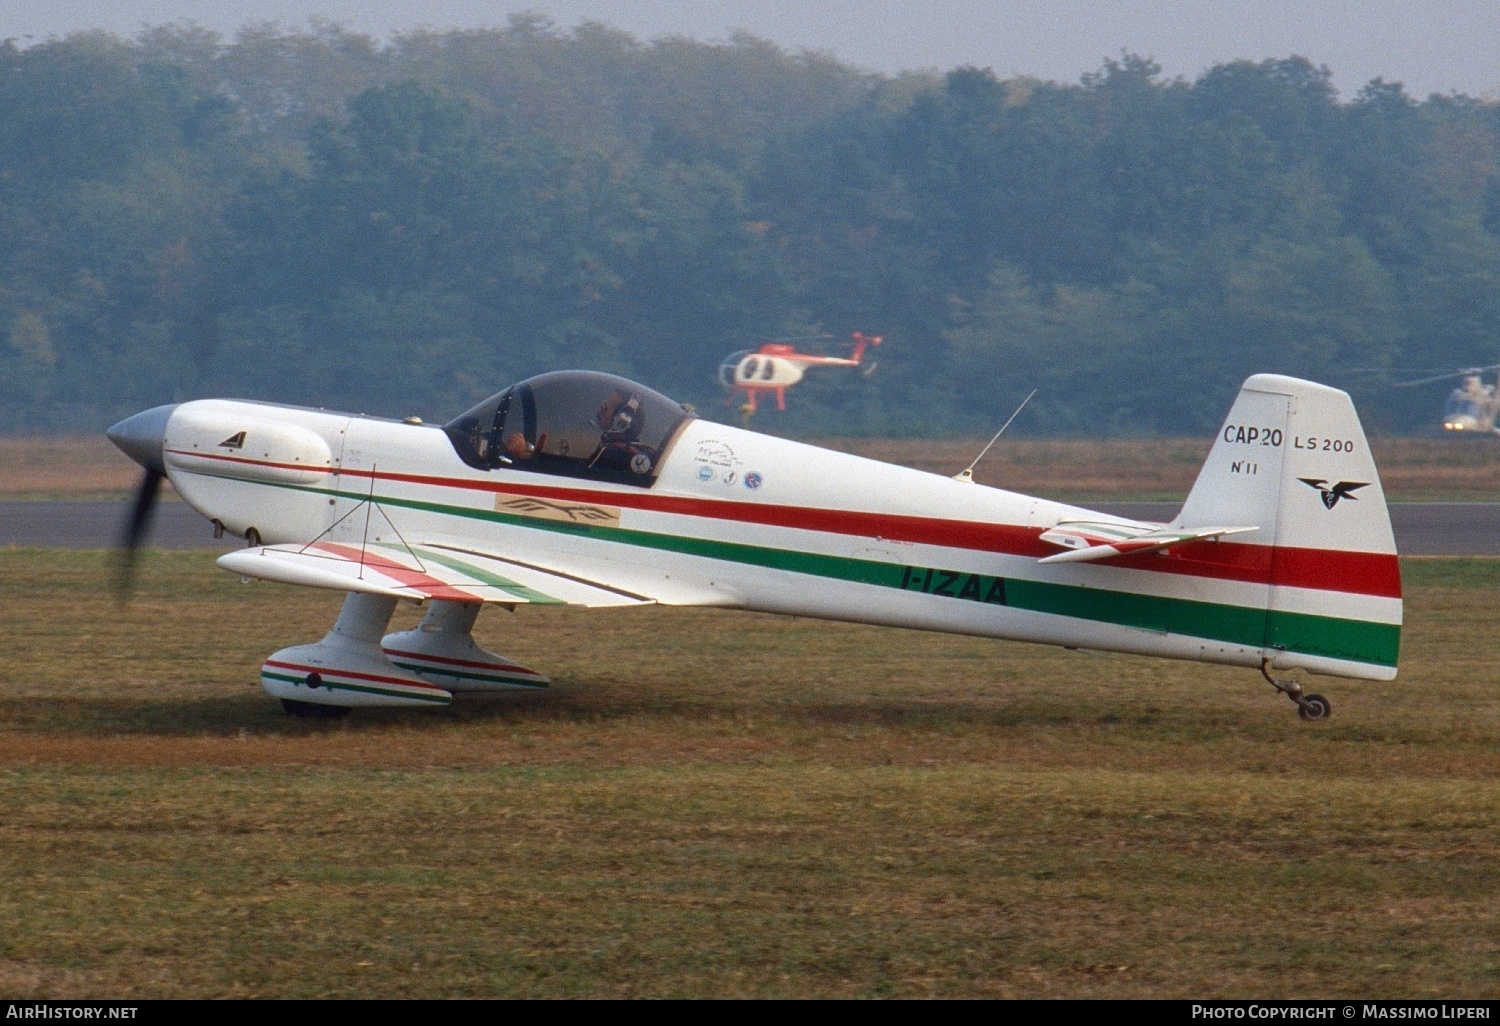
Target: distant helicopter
1473 406
776 366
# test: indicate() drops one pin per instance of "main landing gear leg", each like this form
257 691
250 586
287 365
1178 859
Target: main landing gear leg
1309 707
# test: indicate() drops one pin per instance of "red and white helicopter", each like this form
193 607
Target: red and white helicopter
777 366
587 489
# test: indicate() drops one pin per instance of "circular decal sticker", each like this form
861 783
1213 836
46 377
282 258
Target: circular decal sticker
640 463
705 473
752 479
730 477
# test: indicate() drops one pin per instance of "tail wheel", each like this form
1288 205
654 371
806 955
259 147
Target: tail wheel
1314 707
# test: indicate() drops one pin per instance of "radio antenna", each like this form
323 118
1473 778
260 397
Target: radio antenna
967 474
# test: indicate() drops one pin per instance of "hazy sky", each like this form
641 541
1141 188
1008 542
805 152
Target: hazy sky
1430 45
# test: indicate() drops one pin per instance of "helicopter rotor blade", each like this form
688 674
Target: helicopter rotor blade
1428 381
1464 372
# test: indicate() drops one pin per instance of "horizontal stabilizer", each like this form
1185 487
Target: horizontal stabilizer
1087 541
421 572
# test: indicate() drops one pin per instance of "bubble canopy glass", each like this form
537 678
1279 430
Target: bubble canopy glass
572 423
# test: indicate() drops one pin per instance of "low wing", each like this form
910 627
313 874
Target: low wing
1087 541
422 572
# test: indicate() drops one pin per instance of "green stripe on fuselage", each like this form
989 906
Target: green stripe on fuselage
1359 641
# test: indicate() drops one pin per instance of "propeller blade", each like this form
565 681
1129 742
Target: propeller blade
142 438
136 529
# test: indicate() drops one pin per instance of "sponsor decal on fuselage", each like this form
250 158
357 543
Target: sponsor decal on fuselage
715 453
549 509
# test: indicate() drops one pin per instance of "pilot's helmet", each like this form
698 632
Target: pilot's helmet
618 414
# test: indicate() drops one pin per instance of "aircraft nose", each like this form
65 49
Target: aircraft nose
141 437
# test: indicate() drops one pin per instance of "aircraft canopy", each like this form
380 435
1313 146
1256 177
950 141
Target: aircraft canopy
572 423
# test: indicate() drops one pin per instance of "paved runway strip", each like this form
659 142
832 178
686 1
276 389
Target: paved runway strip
1422 528
100 525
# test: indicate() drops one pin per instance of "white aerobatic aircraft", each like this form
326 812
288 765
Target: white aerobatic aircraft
586 489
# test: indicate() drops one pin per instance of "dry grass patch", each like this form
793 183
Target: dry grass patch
709 803
784 879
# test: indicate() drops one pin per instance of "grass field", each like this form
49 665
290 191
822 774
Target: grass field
719 804
1412 469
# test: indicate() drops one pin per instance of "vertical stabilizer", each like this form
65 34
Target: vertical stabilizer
1292 460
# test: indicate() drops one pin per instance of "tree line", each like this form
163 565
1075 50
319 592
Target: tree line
406 226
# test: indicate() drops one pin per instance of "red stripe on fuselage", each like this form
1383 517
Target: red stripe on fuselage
1360 573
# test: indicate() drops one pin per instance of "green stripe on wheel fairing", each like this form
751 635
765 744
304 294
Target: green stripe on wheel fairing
464 674
1359 641
338 685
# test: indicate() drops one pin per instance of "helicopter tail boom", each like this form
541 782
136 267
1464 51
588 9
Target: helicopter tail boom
1292 460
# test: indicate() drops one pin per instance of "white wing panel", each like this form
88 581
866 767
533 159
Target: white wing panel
422 572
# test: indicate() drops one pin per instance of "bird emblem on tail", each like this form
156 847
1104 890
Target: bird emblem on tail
1332 495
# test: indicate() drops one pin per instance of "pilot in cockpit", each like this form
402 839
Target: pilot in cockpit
621 420
517 448
571 423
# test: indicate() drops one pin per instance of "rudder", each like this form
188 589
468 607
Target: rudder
1292 460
